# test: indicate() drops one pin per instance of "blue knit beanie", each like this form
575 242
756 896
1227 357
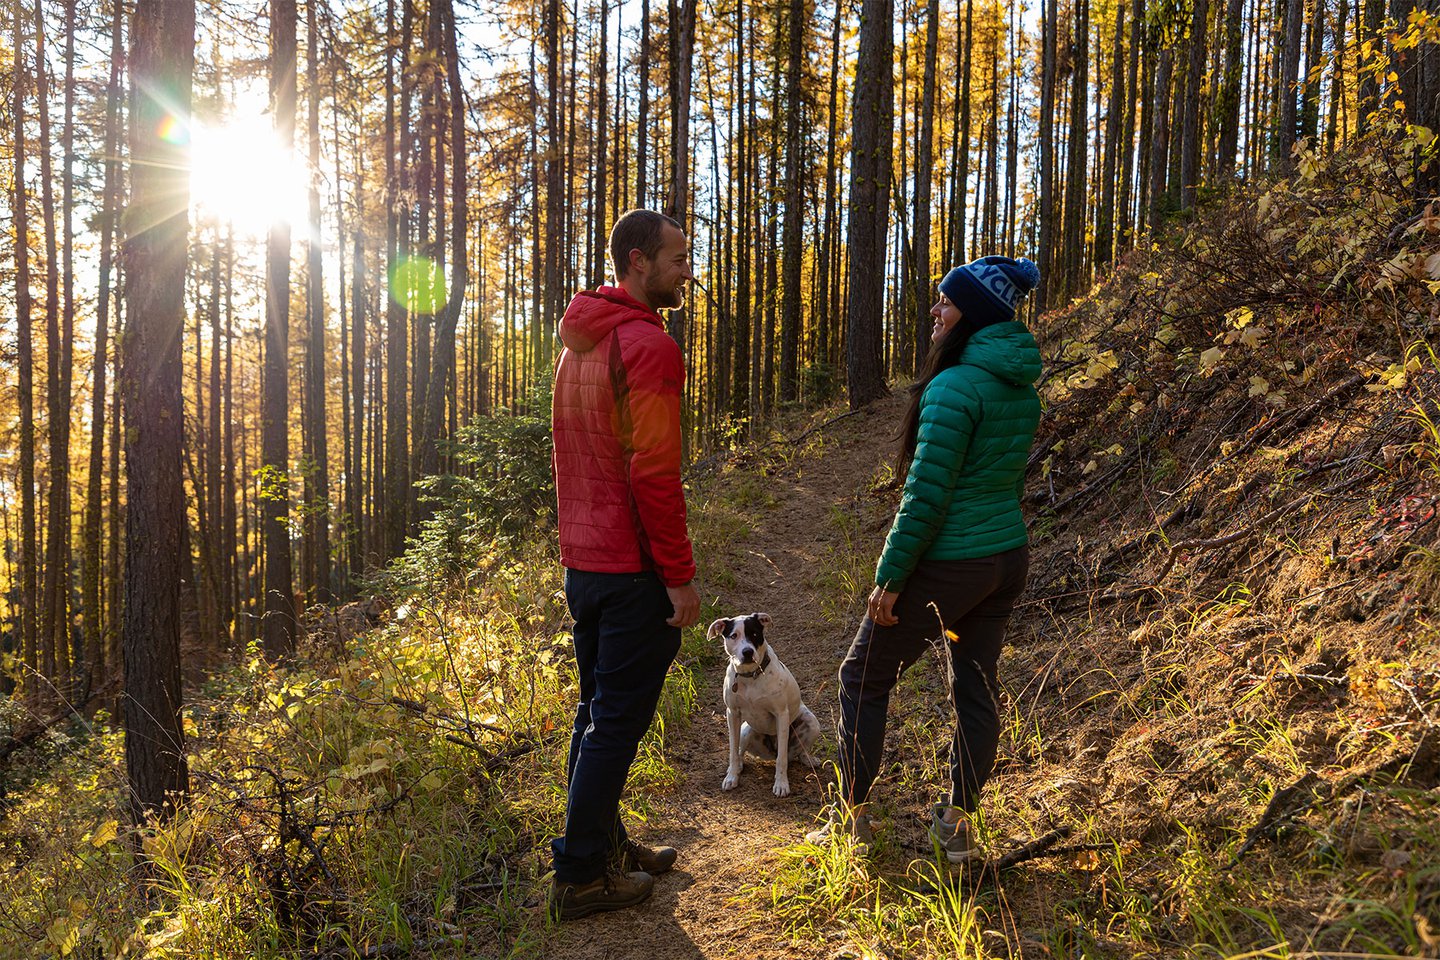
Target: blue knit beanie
987 290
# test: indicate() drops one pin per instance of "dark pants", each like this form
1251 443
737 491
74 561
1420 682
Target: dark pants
623 648
972 600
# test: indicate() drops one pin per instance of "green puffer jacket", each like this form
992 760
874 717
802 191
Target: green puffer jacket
977 421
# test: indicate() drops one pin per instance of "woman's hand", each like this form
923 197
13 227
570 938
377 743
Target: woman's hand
882 607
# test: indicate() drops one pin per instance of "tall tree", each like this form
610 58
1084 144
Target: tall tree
791 253
25 360
93 623
1193 125
442 374
1048 81
279 616
317 466
869 202
162 59
924 170
1227 101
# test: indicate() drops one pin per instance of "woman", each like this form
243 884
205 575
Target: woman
955 560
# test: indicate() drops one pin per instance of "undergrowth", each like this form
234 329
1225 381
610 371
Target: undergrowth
388 793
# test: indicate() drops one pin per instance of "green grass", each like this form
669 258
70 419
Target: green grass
402 795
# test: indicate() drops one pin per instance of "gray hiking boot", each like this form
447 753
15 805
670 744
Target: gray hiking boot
953 838
613 891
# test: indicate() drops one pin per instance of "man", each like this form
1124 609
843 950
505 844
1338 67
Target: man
624 545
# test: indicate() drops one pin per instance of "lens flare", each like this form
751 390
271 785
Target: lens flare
418 283
173 130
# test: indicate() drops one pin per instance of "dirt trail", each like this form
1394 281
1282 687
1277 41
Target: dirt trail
729 841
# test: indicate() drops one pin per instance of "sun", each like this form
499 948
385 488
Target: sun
240 175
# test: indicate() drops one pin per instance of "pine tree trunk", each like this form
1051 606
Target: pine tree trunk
317 471
1048 256
791 252
1190 138
642 120
1105 221
397 328
924 171
1369 92
869 202
279 617
602 129
161 64
25 361
1076 178
55 584
1160 139
1227 103
92 611
1293 34
448 317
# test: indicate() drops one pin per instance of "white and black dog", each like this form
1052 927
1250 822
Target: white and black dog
762 702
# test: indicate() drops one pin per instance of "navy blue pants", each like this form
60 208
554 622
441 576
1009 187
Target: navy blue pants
972 600
623 649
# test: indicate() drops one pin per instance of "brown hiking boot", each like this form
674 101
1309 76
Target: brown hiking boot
613 891
634 855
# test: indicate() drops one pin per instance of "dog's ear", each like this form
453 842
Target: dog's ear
764 618
717 628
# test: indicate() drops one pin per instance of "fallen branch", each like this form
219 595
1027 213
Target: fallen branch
1253 528
1281 809
1040 847
801 436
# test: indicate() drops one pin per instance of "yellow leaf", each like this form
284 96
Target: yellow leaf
1097 370
1252 336
1209 359
1423 135
1227 448
64 934
1259 386
1115 450
1240 316
1090 468
106 832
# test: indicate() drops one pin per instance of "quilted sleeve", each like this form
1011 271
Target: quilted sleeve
655 373
949 410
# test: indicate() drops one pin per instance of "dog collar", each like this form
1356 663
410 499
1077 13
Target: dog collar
757 671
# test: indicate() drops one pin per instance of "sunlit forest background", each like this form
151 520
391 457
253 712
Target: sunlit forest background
387 206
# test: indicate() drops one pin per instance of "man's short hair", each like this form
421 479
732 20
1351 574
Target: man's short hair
642 230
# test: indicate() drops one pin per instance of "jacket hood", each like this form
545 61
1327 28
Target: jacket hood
594 313
1008 350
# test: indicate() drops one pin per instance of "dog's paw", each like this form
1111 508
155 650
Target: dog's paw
731 781
782 788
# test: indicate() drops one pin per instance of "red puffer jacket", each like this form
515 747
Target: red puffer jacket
616 421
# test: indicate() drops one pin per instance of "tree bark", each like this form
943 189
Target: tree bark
916 332
317 471
25 360
92 610
1227 103
869 202
161 65
1190 138
279 617
795 162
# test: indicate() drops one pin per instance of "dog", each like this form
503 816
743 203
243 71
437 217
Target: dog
762 703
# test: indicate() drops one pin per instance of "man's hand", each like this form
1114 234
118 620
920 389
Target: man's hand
882 607
686 602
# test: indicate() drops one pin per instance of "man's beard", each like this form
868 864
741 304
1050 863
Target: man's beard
667 298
